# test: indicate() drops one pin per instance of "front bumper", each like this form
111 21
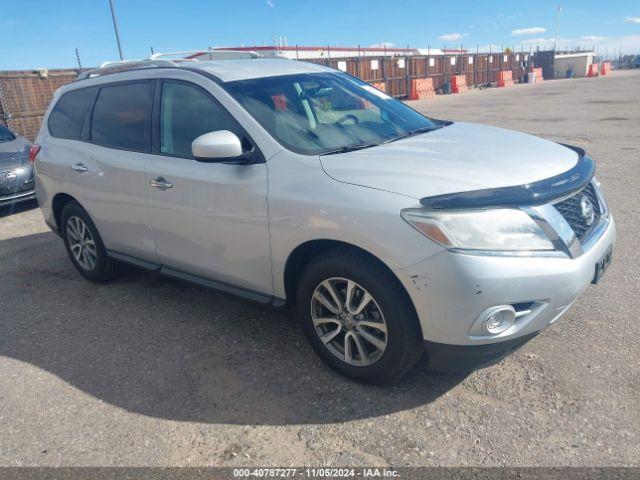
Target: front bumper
19 189
451 290
466 358
14 198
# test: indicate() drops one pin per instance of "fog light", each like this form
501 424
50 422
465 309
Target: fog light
500 319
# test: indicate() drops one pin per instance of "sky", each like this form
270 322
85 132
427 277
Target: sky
45 33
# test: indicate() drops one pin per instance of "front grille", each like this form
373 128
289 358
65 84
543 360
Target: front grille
22 183
572 211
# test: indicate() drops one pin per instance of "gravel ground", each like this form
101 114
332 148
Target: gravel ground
151 371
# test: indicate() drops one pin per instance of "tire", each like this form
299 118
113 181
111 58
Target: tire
390 308
103 268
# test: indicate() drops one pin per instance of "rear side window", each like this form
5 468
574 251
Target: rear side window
122 116
68 116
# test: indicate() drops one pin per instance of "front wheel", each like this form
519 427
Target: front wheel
358 317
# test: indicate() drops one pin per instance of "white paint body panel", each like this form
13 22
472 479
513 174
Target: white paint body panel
457 158
231 70
112 190
213 222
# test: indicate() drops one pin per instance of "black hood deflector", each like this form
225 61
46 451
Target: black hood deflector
535 193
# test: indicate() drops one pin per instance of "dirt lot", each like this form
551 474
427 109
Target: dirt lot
150 371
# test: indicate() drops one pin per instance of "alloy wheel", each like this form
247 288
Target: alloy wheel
81 243
349 321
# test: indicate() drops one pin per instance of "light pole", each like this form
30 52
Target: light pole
115 27
555 39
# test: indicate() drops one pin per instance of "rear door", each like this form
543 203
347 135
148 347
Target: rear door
212 221
112 171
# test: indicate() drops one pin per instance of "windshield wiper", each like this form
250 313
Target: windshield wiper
349 148
411 133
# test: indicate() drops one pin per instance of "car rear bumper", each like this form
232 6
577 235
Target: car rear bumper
451 291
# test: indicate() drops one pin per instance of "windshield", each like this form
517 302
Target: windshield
326 113
6 135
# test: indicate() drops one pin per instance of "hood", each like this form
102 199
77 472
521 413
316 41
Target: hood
14 153
457 158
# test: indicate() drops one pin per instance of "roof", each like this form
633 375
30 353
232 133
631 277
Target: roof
225 70
575 54
231 70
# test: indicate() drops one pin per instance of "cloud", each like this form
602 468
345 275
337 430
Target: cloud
629 44
631 19
453 37
528 31
592 38
271 4
537 41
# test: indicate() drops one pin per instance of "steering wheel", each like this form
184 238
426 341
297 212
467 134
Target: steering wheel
349 116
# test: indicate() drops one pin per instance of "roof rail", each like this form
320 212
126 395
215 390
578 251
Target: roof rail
212 54
107 68
157 60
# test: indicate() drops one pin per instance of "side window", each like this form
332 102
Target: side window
122 116
187 112
68 116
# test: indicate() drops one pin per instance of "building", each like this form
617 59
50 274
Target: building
320 52
578 62
555 64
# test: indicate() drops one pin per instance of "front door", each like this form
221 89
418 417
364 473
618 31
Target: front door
208 219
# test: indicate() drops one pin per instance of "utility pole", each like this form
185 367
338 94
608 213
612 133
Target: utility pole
78 59
115 27
555 39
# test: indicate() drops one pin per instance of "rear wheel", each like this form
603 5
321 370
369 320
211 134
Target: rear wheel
358 317
84 245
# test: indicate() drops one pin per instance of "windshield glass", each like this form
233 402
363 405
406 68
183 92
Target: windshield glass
326 113
5 134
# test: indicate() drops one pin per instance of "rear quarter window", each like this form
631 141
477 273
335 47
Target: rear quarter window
69 114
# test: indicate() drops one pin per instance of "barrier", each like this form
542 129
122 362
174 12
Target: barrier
538 74
365 104
593 70
505 79
458 83
421 88
279 102
605 69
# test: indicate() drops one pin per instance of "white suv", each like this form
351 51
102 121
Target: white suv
291 183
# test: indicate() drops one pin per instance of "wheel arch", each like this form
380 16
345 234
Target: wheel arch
304 253
59 201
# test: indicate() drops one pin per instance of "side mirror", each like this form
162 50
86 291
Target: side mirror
219 146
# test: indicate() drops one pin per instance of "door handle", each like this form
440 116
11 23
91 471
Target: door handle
160 183
79 167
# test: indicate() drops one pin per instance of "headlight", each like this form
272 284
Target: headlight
503 229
